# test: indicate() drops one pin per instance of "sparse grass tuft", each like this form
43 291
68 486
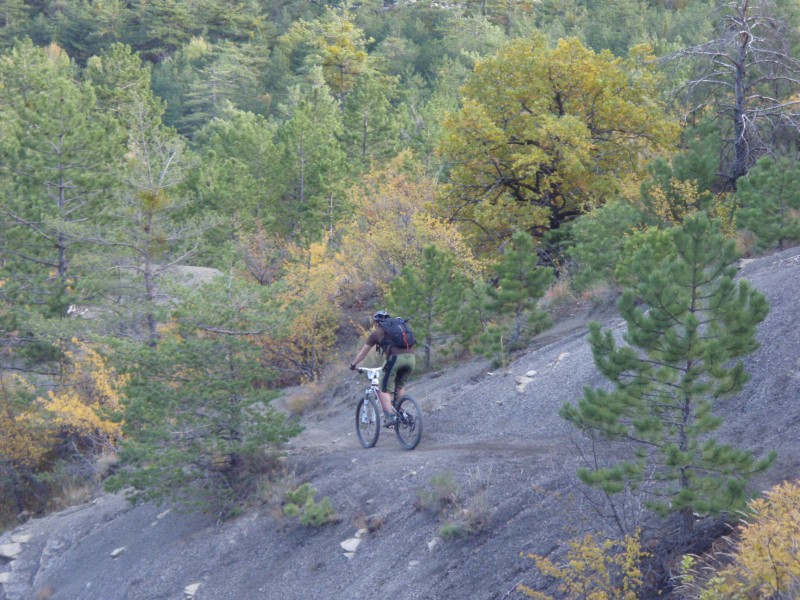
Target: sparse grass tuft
746 243
371 523
559 294
105 464
441 493
463 510
74 494
451 530
305 399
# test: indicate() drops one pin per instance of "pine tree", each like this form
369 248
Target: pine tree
57 157
313 163
225 76
13 17
160 27
153 231
197 421
370 123
239 176
121 81
688 325
521 283
769 200
431 297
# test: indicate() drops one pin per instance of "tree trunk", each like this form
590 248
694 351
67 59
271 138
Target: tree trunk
740 146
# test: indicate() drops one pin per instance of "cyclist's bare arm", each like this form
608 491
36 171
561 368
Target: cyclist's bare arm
362 354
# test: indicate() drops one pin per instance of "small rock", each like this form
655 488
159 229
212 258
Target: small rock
21 538
433 543
530 374
163 514
4 577
522 383
349 555
413 563
118 551
10 550
190 590
361 532
351 544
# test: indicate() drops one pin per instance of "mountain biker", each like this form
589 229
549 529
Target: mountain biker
399 365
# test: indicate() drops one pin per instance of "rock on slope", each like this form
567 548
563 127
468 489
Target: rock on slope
496 435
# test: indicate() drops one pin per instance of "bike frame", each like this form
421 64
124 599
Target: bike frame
374 376
408 423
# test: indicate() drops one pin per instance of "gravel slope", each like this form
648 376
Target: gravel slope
504 446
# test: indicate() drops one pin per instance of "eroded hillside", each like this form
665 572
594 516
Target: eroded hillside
493 438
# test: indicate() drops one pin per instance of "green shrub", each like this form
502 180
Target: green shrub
769 199
451 530
300 503
599 239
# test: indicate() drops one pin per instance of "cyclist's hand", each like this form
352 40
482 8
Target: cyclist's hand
352 366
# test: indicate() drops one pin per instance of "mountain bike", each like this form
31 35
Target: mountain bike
368 415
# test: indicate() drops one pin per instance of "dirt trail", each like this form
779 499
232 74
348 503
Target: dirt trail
496 434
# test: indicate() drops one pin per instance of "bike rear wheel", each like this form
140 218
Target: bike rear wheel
409 424
368 422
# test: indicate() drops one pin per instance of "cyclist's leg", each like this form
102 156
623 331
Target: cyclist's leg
403 370
388 383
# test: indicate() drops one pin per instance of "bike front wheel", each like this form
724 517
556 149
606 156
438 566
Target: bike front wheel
409 424
368 422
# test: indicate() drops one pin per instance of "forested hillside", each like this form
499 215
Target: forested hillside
202 203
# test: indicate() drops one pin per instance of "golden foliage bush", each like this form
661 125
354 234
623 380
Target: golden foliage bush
670 205
393 224
310 293
89 392
764 561
27 438
594 570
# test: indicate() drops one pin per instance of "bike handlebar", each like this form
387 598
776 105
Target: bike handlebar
372 373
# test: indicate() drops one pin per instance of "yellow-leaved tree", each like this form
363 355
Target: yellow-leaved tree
546 133
309 294
667 204
390 228
393 223
27 438
27 448
89 392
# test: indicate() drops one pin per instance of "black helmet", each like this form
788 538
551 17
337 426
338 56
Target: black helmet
381 315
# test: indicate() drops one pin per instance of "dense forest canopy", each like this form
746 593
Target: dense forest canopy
321 159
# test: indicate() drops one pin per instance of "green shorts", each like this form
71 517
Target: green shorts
395 371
